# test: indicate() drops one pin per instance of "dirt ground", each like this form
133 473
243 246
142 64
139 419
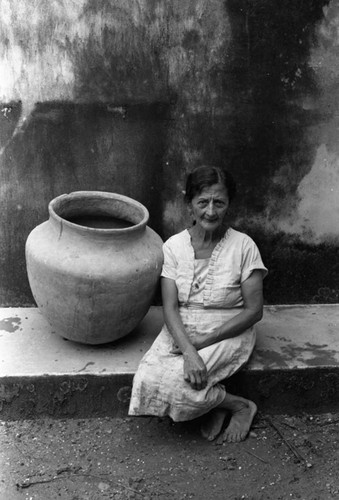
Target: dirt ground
285 457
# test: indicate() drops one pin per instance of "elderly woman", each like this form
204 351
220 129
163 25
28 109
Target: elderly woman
212 297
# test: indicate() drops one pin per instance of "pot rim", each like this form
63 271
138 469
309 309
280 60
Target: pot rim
77 195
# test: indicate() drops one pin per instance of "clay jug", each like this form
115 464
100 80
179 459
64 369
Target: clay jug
93 267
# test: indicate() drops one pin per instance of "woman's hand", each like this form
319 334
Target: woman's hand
195 372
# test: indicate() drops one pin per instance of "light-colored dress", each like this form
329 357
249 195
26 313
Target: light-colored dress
209 294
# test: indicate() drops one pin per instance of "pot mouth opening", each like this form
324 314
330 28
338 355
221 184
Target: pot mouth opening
99 212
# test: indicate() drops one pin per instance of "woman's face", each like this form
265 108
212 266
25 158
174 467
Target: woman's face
209 207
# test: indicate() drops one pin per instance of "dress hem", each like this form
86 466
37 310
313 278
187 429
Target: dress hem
177 416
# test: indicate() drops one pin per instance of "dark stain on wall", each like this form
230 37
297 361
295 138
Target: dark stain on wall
298 272
124 62
262 124
9 116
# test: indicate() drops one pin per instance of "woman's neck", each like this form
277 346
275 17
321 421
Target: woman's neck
206 238
204 242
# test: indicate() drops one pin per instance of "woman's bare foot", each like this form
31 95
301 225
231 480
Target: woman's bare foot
240 422
213 425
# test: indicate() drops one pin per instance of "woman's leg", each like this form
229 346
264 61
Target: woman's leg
243 411
212 427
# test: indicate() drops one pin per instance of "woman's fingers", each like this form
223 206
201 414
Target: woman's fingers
195 381
195 372
198 380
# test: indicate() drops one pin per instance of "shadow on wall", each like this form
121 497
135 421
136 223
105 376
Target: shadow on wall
283 146
270 141
68 147
286 156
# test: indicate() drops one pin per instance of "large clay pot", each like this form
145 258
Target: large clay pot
93 267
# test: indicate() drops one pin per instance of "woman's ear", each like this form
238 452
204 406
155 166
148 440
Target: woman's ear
191 213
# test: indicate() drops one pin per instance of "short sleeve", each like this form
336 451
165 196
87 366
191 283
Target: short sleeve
251 260
169 268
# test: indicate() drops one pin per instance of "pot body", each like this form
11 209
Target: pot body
94 281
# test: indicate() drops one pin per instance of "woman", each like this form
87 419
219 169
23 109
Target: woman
212 297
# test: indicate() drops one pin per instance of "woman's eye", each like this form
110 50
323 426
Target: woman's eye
219 203
202 203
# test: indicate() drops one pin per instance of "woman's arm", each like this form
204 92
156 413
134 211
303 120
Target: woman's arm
251 290
195 372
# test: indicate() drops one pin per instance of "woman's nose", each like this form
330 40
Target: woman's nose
210 208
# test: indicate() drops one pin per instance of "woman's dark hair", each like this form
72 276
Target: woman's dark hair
205 176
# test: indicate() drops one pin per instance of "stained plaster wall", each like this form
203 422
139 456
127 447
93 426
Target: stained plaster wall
128 95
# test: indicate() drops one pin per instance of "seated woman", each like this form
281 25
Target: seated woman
212 297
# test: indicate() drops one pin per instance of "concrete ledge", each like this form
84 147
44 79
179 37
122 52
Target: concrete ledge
295 366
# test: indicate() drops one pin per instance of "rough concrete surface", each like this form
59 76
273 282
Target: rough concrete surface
285 458
295 365
289 337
